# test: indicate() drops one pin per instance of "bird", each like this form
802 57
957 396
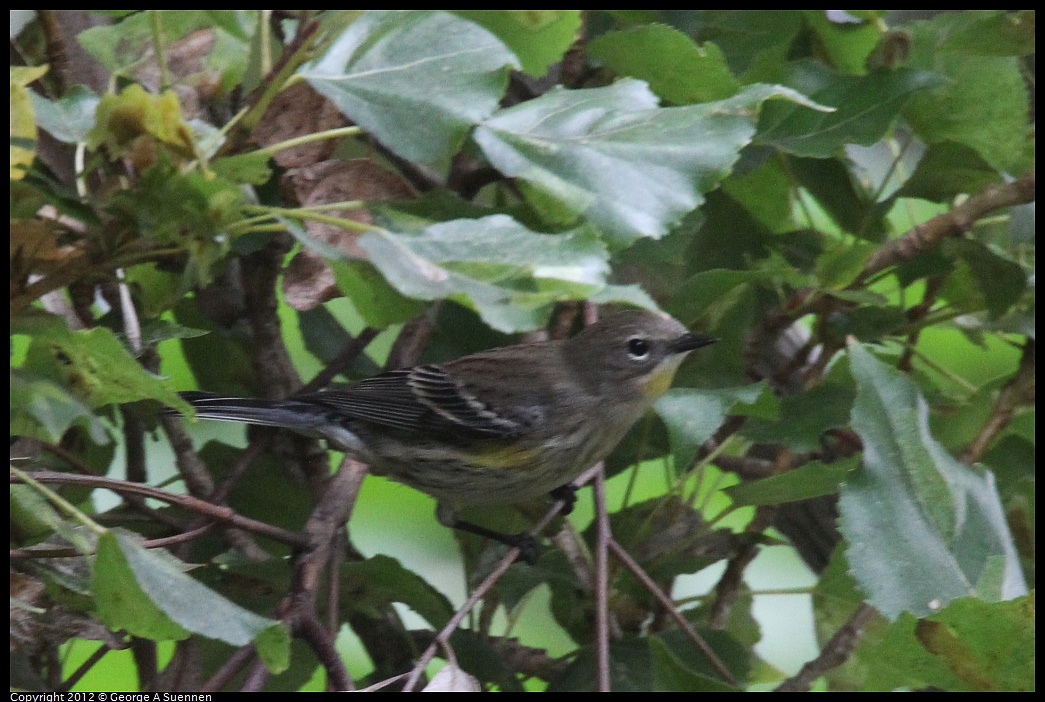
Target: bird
497 427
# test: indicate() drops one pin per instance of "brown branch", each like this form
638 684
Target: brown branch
602 582
230 669
84 668
673 611
915 314
218 513
954 222
912 243
412 339
342 361
1017 392
728 587
270 358
193 471
57 56
322 530
330 515
313 632
256 678
835 652
513 553
41 553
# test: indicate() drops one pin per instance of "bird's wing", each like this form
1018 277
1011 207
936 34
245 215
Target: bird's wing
423 398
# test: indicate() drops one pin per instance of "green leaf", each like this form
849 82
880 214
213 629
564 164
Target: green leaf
233 376
325 338
671 673
122 118
97 367
44 410
417 80
538 37
988 645
120 600
865 108
809 414
948 169
380 580
692 416
507 273
630 669
840 263
69 118
983 102
483 658
624 294
268 495
983 279
612 155
811 480
35 519
867 323
147 593
377 301
970 645
706 298
842 196
122 46
923 529
23 125
848 43
250 168
676 68
169 206
755 42
989 32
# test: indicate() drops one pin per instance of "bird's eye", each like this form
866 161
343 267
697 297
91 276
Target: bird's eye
638 348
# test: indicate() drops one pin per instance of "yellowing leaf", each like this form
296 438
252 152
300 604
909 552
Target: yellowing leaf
23 127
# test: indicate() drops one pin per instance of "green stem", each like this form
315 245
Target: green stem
258 228
60 502
158 48
946 372
309 138
302 213
283 79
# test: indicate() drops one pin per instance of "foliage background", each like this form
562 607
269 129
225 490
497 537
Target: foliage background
247 200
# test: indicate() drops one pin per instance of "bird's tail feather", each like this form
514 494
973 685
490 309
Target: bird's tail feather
288 414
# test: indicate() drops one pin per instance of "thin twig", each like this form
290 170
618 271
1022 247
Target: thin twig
602 586
230 669
1018 391
84 668
322 643
669 606
341 362
502 567
835 652
221 514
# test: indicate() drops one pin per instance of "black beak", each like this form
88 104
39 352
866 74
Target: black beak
690 342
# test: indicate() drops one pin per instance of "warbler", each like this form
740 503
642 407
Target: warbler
502 426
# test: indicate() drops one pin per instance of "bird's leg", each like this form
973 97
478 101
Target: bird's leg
529 548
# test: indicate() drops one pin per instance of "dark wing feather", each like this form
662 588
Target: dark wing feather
424 398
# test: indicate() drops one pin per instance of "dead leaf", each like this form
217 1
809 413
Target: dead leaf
308 280
297 111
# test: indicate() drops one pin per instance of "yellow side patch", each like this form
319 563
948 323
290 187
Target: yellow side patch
500 456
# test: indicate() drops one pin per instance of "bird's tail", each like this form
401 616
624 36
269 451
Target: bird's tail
288 414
